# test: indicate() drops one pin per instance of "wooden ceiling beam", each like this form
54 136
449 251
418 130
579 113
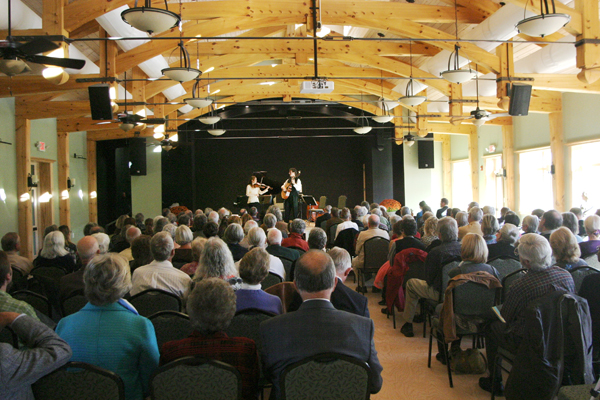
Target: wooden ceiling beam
81 12
55 109
83 124
561 83
31 85
462 129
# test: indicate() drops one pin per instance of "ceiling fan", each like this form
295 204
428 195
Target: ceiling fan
410 139
479 115
13 54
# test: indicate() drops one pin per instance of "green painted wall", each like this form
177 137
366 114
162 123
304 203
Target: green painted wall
531 131
581 119
422 184
8 177
44 130
459 147
146 191
79 194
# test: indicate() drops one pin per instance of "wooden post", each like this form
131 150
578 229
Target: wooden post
508 161
63 175
447 167
456 107
505 54
92 181
474 161
588 54
558 160
23 148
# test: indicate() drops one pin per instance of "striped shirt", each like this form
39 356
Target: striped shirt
7 303
160 275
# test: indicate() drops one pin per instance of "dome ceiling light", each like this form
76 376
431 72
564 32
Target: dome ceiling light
543 24
150 19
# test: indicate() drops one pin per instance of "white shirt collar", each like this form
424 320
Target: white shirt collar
317 299
246 286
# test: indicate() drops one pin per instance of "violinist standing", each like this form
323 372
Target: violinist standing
253 190
292 188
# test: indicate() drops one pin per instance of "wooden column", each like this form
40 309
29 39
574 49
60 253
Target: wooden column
505 54
456 107
588 54
508 161
474 161
64 203
447 167
23 148
92 181
557 147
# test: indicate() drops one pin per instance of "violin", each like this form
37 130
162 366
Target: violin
261 185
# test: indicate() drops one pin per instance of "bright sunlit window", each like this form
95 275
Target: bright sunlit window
494 182
585 167
535 181
462 190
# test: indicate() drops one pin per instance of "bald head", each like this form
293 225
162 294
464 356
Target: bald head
315 275
373 221
274 237
132 233
87 248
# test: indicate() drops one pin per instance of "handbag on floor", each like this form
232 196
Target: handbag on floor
469 361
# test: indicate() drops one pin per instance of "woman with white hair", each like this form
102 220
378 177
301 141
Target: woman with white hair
53 253
183 253
257 238
171 229
233 235
506 238
216 261
197 249
108 332
103 241
565 249
592 228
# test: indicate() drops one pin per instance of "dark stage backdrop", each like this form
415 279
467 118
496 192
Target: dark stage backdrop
222 168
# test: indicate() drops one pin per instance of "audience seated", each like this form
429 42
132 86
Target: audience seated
432 287
565 249
171 229
295 239
316 326
503 212
512 218
44 352
489 227
530 224
269 222
216 261
580 223
317 239
324 217
11 245
69 246
356 215
408 229
346 224
131 233
183 238
505 242
442 211
535 255
140 251
103 241
71 284
474 223
254 268
247 226
275 248
108 332
118 241
53 253
592 228
372 231
335 219
199 222
550 221
538 212
257 238
197 249
211 308
570 221
7 302
589 291
462 218
160 273
210 229
430 231
233 236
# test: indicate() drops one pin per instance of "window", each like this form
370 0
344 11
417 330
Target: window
585 168
535 181
494 182
462 190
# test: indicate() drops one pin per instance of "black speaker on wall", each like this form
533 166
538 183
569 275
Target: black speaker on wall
137 156
425 149
100 102
520 95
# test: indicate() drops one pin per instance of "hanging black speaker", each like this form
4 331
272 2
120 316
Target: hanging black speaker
137 156
100 102
520 95
426 155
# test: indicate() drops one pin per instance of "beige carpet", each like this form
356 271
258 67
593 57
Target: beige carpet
404 360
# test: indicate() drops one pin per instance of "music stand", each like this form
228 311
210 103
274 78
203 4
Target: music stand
309 200
312 209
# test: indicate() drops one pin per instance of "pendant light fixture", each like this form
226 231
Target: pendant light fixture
150 19
126 126
410 99
198 102
211 119
385 115
215 130
454 74
364 121
543 24
185 72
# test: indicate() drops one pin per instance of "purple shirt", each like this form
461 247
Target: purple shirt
247 298
588 248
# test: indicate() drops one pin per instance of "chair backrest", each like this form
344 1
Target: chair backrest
473 299
446 268
286 292
170 325
72 304
204 380
7 335
270 280
246 322
579 273
331 236
151 301
322 201
323 225
592 261
508 280
346 240
326 376
376 252
79 381
35 300
342 201
416 270
298 249
19 280
505 266
287 266
54 273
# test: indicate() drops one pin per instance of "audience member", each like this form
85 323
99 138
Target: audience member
430 231
254 268
108 332
474 223
571 222
334 220
197 249
149 224
538 212
247 226
471 205
551 221
592 228
489 210
323 218
88 227
257 238
503 212
233 236
506 238
171 229
317 239
565 249
462 219
489 227
69 246
455 211
183 238
408 230
372 231
139 222
7 302
530 224
211 308
275 248
199 222
131 233
535 255
346 224
44 352
431 287
53 253
316 326
511 217
11 245
159 224
580 223
442 211
295 240
216 261
160 273
140 251
103 241
210 229
72 284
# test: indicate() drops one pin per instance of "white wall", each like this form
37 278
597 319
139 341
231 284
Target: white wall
422 184
146 191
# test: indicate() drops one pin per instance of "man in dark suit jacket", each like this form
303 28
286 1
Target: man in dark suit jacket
274 238
343 298
323 217
71 284
317 327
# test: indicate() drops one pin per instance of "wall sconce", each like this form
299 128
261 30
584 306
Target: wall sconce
32 181
2 195
70 183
